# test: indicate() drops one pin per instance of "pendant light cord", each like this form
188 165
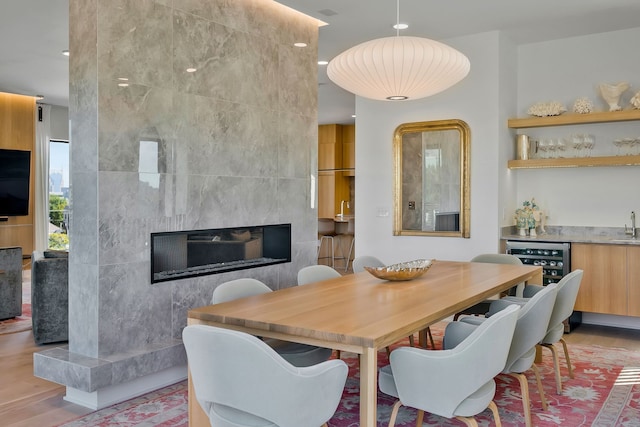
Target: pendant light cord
397 18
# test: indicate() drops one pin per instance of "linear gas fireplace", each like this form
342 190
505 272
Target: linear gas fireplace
182 254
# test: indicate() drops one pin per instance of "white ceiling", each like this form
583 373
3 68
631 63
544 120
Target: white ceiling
34 32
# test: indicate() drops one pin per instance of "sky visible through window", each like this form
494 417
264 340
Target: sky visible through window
59 164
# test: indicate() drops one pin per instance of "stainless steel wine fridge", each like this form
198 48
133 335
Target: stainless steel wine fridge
555 260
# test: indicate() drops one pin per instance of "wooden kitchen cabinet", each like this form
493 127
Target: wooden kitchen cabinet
333 187
610 275
633 280
336 145
329 147
349 149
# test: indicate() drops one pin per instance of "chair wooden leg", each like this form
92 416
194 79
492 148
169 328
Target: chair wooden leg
524 392
470 421
543 399
566 356
433 346
388 351
419 418
556 365
496 415
338 353
411 341
394 413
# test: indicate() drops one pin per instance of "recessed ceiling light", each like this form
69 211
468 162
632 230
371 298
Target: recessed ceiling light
65 52
123 84
353 115
123 79
300 44
323 62
191 70
39 97
400 26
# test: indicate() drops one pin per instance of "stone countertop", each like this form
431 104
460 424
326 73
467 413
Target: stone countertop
571 234
344 218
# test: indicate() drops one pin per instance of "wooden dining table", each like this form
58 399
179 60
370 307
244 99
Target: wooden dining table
361 314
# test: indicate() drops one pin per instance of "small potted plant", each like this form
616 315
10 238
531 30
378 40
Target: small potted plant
527 217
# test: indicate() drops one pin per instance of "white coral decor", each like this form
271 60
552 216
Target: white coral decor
635 101
543 109
583 105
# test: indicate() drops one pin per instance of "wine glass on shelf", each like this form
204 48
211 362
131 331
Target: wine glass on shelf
561 146
589 142
634 146
576 144
543 144
551 147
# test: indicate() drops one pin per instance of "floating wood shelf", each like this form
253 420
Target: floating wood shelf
575 119
575 162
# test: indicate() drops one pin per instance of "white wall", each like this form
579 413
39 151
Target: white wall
480 100
563 70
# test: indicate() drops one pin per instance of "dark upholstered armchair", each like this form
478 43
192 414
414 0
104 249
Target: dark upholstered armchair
50 296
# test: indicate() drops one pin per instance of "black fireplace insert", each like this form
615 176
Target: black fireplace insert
181 254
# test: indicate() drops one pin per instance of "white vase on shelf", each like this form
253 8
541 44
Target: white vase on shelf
611 94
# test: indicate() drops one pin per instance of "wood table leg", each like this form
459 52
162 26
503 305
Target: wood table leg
368 387
197 417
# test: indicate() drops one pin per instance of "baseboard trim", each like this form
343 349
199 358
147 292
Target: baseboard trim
626 322
111 395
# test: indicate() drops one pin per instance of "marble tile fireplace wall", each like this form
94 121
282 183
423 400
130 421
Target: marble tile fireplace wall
155 148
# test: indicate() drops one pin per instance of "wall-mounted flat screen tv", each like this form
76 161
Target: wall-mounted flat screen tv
15 167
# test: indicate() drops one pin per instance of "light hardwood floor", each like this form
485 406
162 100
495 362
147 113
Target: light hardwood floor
27 401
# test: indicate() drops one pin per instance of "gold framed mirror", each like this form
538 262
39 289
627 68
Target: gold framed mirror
432 179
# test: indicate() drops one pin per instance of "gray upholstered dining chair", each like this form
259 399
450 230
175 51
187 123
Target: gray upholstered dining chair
241 381
531 327
359 263
295 353
316 273
458 382
481 308
568 288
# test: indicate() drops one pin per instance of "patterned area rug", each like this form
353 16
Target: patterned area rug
604 392
23 322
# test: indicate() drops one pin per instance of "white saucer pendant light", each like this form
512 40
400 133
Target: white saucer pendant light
398 68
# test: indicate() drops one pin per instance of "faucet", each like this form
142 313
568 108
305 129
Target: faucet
341 209
631 231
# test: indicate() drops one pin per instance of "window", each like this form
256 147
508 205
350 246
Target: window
58 194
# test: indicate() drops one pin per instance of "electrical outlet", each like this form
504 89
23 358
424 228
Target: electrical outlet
383 212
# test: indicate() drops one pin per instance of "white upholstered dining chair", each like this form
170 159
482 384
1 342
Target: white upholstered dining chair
458 382
481 308
316 273
531 327
568 288
360 262
295 353
241 381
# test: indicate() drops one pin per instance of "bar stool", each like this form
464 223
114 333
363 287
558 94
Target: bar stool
350 233
350 255
325 239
